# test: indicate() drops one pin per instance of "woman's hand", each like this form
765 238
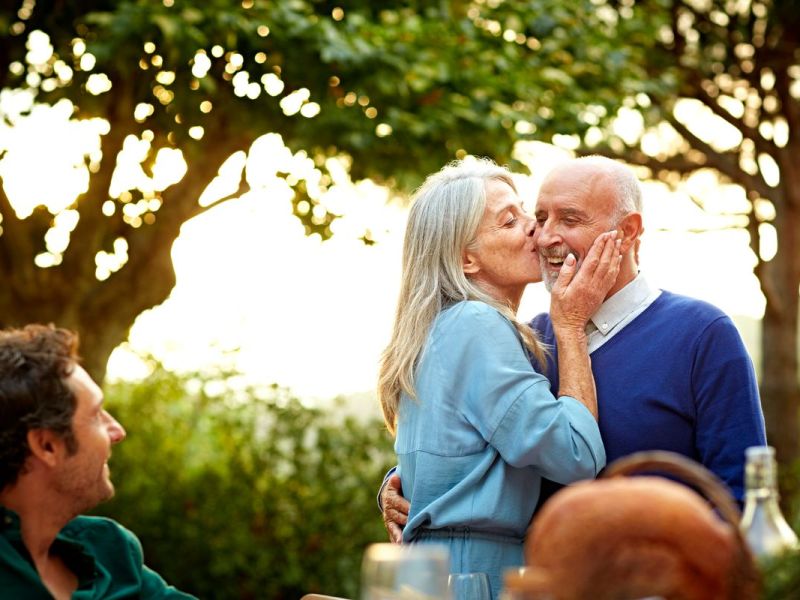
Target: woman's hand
577 296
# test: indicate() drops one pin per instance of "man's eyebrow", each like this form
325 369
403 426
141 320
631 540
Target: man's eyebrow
571 212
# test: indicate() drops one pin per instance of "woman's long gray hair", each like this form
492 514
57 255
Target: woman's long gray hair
442 224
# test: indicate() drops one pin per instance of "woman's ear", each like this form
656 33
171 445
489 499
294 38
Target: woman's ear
470 263
630 228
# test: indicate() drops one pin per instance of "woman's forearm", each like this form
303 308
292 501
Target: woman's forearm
575 368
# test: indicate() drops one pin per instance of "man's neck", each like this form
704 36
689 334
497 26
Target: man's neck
41 516
627 274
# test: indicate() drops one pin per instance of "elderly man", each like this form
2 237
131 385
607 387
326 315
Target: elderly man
671 372
55 441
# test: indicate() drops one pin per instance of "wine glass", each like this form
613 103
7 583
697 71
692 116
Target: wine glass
469 586
404 572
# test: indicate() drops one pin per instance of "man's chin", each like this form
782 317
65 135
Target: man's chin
549 280
108 493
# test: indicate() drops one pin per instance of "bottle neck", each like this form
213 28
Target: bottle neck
764 497
761 477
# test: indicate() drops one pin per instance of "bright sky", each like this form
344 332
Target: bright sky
312 315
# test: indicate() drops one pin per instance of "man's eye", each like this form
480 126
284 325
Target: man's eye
511 222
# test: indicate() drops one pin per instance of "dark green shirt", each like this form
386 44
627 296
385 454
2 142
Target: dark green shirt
106 557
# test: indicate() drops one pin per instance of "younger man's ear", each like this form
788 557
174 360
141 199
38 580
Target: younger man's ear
630 227
45 445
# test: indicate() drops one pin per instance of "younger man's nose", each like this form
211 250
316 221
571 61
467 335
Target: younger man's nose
116 430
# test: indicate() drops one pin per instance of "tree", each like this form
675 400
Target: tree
398 87
736 66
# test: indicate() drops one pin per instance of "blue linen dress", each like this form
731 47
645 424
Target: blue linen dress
481 434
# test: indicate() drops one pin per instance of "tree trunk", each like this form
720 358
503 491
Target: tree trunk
780 392
780 387
100 328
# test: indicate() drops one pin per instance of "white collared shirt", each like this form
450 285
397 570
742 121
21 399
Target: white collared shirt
619 310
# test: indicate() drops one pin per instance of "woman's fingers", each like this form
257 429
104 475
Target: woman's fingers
598 270
602 261
608 263
566 273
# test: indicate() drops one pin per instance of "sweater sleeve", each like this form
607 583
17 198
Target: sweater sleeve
511 405
729 416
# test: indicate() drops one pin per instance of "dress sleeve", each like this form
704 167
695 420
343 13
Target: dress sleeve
729 416
386 477
510 404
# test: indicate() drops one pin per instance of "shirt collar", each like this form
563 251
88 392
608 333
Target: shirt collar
71 550
622 304
9 520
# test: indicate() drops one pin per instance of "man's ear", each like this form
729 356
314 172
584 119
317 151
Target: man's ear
470 263
46 445
630 227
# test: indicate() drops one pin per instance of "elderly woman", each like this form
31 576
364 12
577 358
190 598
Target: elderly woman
477 428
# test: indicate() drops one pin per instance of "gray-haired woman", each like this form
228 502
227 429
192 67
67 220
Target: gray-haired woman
477 428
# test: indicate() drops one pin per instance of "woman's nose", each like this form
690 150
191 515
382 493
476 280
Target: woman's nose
530 226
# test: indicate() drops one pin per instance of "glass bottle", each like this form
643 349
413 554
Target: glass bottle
763 525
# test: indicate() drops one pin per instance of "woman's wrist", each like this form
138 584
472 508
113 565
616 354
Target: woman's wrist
575 334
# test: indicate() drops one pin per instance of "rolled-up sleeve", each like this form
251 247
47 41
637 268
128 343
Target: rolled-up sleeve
558 436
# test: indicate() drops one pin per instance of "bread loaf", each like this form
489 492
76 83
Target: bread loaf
634 537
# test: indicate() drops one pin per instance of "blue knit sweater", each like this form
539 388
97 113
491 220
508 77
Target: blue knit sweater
676 378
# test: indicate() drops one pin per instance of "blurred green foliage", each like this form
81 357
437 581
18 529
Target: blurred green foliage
782 578
241 492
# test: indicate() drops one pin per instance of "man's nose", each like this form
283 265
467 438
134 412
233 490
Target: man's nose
545 235
115 430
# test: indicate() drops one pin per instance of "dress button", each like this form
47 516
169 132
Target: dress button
604 326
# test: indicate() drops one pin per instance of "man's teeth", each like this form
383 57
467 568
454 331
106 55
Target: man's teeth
553 260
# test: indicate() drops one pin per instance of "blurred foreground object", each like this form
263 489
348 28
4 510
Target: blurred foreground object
763 525
407 572
635 537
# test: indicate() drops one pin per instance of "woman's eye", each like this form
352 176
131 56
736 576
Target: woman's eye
511 222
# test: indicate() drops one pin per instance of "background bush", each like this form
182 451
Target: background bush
239 492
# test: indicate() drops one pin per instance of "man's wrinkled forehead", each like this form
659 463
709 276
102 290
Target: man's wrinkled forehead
579 191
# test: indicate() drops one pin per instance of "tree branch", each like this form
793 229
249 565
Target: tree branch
762 145
93 225
149 268
772 295
243 188
726 164
634 156
13 238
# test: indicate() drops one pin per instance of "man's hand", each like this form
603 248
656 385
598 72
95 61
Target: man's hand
395 509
